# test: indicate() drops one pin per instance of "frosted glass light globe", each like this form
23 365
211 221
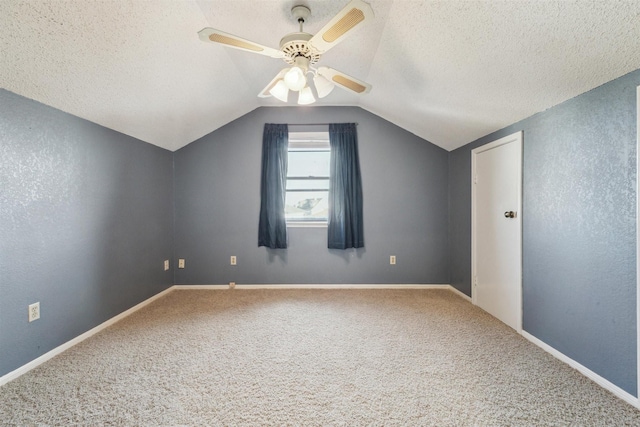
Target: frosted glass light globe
280 91
323 86
306 96
294 79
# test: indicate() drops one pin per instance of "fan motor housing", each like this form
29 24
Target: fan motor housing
297 44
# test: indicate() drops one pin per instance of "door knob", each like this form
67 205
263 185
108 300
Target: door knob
509 214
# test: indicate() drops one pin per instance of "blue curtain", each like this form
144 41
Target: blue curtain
272 229
345 189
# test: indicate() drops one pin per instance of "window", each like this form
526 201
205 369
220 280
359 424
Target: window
307 198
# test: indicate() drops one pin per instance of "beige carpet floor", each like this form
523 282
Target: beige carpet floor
309 358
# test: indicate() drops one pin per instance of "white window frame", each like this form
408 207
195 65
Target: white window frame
306 141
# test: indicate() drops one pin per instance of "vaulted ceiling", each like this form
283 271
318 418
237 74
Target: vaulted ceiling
448 71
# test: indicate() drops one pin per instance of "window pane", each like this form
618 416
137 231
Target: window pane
308 163
308 176
308 184
307 205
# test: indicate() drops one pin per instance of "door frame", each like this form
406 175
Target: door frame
513 138
638 244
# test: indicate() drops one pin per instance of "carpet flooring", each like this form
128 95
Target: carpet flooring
309 358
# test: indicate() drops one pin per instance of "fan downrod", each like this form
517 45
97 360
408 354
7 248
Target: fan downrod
295 45
301 14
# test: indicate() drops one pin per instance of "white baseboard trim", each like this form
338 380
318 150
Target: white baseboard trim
314 286
199 287
607 385
460 294
342 286
61 348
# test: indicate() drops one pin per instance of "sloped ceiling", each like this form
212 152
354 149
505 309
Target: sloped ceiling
448 71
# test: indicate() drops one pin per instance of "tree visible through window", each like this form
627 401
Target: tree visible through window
307 199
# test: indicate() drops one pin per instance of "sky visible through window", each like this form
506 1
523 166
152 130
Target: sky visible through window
307 197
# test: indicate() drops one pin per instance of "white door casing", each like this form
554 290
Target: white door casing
496 229
638 244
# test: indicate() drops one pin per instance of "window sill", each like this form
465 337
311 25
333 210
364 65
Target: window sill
306 224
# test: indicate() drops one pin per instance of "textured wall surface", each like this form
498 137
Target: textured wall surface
404 179
579 227
85 223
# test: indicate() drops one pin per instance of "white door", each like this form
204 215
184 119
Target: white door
497 229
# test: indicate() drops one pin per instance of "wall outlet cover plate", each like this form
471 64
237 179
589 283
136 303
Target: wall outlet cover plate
34 311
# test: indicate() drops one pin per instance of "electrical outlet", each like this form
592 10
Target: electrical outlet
232 285
166 264
392 260
233 260
34 311
181 263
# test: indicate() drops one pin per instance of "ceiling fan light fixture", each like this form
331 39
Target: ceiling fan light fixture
295 79
323 86
301 50
306 96
280 91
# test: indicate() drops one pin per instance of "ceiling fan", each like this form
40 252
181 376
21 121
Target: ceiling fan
302 51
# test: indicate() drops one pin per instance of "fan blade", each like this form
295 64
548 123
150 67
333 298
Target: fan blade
265 92
229 40
345 81
352 17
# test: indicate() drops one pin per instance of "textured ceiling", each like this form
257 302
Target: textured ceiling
448 71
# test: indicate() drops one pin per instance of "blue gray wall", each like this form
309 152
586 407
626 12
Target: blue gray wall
85 224
86 219
579 227
217 186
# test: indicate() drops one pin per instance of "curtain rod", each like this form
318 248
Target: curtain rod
311 124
